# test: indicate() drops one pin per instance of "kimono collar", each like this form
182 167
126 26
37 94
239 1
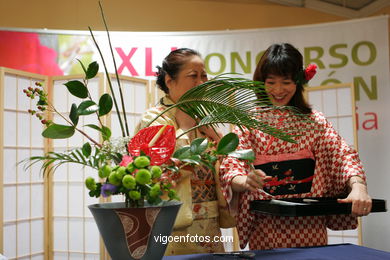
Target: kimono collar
166 101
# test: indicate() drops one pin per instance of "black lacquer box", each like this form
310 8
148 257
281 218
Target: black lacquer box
309 207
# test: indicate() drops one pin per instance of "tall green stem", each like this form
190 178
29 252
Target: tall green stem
116 70
109 83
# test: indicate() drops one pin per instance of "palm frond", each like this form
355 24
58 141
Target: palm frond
52 160
237 101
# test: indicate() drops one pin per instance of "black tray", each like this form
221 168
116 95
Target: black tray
309 207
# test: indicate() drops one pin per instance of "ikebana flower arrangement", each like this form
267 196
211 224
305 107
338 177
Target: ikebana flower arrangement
141 169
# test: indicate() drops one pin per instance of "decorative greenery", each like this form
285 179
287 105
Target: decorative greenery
141 168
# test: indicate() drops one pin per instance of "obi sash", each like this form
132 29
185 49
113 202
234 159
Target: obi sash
291 173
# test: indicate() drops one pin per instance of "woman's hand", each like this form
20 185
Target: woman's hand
361 201
253 181
215 136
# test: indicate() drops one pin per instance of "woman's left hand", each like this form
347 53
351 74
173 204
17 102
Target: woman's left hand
361 201
214 135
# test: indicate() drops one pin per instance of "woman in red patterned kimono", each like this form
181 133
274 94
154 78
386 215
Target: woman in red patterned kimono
319 164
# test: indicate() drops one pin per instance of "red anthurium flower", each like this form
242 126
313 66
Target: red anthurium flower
158 142
126 160
310 71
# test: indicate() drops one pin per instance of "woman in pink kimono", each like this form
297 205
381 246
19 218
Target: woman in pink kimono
319 164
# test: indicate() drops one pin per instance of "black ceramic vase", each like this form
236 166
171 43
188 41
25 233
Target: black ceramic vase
135 233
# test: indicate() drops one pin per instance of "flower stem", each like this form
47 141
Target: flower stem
79 130
109 83
116 70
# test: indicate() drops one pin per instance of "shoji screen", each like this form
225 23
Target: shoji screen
48 218
22 218
337 102
75 235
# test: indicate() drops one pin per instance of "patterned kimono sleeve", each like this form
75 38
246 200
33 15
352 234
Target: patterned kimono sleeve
232 167
335 157
340 162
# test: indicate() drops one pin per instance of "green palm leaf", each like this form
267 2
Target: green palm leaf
52 160
237 101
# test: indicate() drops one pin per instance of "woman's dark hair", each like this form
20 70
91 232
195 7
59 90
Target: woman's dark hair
172 64
284 60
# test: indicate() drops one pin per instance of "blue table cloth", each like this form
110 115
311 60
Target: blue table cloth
331 252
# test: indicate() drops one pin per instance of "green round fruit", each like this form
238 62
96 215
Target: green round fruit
143 176
128 181
135 195
156 171
141 162
120 172
130 168
90 183
155 190
105 171
113 179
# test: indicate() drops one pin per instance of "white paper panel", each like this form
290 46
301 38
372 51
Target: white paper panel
37 231
91 257
76 256
60 198
36 174
9 201
9 172
37 207
91 236
76 172
10 129
61 173
140 100
344 101
23 238
61 256
76 199
23 201
60 96
37 257
24 129
10 91
9 238
335 240
346 129
76 237
60 234
330 104
22 174
36 130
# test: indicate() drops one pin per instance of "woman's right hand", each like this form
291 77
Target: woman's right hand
253 181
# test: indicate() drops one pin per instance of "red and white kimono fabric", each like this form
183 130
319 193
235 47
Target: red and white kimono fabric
335 163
